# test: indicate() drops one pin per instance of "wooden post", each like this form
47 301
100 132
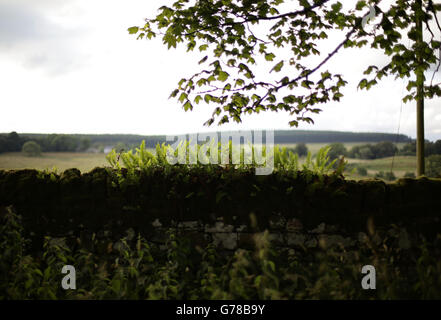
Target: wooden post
420 90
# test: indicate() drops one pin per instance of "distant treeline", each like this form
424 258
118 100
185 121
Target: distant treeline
382 149
280 137
105 140
296 136
13 142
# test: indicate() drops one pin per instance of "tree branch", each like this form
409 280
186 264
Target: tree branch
258 18
330 55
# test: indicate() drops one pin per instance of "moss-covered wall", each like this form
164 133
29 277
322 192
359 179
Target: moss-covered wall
71 201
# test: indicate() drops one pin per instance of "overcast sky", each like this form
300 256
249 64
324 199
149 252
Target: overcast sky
71 67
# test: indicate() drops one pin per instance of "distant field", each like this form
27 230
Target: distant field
61 160
315 147
401 165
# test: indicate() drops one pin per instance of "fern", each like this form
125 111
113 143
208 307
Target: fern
284 160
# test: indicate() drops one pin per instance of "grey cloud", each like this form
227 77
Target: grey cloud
27 35
19 24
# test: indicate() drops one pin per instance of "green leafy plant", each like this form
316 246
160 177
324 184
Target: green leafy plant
433 164
408 267
284 160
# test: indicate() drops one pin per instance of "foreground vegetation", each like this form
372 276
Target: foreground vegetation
87 161
407 260
407 267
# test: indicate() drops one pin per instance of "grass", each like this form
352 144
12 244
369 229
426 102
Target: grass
60 160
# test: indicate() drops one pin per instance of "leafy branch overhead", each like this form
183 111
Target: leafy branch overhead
236 38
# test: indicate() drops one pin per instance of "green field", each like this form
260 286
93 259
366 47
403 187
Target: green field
87 161
315 147
60 160
401 165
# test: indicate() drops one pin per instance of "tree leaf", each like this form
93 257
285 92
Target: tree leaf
277 67
223 76
133 30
